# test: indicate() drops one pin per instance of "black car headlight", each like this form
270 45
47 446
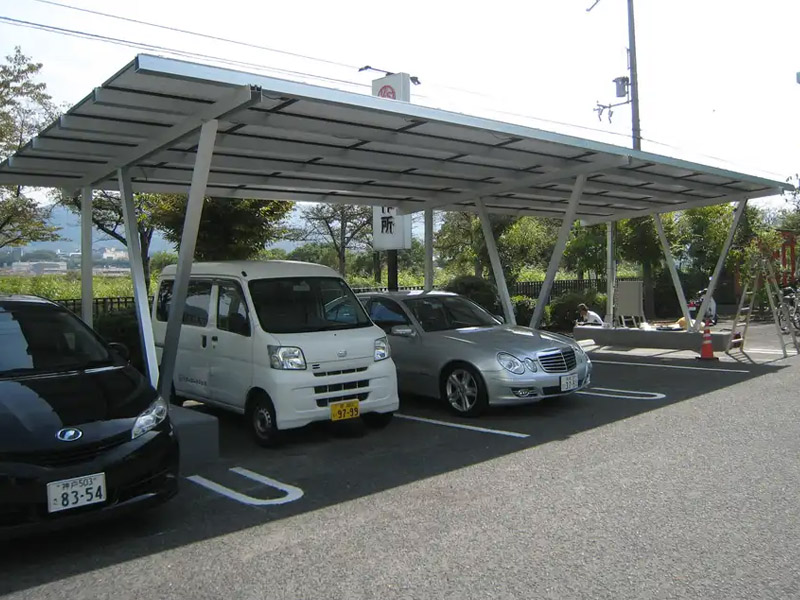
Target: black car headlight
151 418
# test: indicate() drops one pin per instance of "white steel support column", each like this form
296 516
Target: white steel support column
737 216
611 272
673 271
137 274
558 251
191 225
494 258
428 249
87 293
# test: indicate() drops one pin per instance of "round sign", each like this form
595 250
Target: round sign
387 91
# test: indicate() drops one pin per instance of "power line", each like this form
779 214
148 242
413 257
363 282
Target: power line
157 48
196 33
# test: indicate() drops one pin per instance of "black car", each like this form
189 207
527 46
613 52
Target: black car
82 433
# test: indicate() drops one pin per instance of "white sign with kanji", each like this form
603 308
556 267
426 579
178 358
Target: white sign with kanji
390 231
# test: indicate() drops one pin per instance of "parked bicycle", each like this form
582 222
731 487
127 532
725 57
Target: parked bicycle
790 300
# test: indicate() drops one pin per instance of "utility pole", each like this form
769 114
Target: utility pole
627 86
637 130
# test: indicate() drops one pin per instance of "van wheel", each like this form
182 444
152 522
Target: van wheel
262 422
377 420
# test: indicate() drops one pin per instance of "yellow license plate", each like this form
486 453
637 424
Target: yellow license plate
344 410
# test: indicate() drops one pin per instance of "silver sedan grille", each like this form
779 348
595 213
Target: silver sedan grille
558 361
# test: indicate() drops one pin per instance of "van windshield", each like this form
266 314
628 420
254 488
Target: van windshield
303 304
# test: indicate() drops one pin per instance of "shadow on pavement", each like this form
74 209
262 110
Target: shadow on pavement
334 464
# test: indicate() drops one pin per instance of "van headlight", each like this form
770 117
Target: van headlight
381 349
287 358
510 363
150 418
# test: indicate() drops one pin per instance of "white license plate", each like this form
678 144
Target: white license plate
569 382
79 491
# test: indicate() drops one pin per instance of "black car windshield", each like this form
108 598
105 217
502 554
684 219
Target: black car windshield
304 304
439 313
45 339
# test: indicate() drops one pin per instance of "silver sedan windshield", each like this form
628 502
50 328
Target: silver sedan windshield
440 313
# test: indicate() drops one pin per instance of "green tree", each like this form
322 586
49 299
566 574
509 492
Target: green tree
159 260
273 254
230 229
25 107
342 227
586 249
639 243
316 252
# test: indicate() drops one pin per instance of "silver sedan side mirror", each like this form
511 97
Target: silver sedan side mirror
403 331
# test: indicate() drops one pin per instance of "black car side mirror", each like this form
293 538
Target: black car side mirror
121 350
500 318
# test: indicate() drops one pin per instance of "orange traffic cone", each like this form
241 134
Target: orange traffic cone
707 349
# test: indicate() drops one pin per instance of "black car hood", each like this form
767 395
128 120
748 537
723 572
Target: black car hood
100 402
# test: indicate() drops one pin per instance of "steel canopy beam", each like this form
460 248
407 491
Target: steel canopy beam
673 271
558 251
494 259
684 206
712 284
520 183
191 225
141 302
240 98
87 293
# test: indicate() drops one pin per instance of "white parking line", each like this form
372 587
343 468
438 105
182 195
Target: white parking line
638 364
460 426
623 394
292 492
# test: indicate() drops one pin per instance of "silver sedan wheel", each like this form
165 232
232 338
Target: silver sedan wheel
462 390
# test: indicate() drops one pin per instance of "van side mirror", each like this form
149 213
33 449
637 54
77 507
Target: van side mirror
402 331
121 350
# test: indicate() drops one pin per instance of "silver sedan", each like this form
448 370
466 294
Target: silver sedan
446 346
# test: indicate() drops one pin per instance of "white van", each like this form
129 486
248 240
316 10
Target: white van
284 343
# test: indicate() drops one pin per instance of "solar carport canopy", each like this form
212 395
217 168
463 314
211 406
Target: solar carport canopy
292 141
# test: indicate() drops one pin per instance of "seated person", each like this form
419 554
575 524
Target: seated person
588 317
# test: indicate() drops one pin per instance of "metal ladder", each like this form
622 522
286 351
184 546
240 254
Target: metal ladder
764 273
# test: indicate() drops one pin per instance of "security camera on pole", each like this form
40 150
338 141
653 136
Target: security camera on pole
391 231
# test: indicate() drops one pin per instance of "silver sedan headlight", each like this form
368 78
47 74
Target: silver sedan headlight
510 363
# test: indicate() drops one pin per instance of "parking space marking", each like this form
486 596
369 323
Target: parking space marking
292 493
638 364
622 394
513 434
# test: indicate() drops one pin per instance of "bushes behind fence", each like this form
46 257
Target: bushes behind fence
121 326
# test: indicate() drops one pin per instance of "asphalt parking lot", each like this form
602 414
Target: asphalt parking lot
668 478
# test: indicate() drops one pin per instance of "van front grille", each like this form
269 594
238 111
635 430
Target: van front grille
339 387
342 372
323 402
559 361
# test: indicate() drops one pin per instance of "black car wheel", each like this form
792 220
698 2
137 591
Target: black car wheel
378 420
263 425
463 389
